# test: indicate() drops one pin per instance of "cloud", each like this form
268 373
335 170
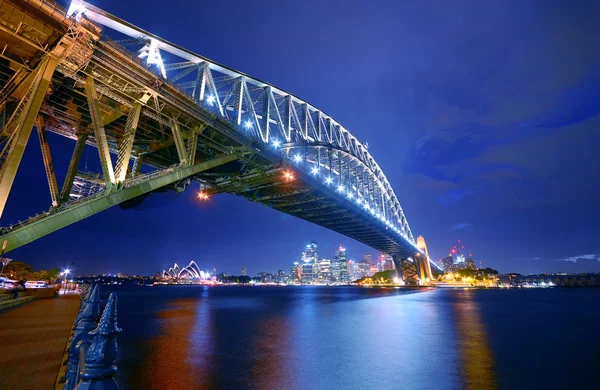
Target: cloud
461 226
455 195
430 184
574 259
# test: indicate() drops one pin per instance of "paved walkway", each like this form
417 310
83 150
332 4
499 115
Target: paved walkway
32 341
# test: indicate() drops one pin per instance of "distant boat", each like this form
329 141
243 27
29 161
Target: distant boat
8 283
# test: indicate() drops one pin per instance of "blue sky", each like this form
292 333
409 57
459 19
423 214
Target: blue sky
484 115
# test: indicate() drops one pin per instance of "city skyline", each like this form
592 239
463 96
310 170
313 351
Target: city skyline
380 260
490 162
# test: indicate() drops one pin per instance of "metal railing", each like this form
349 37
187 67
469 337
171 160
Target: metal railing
77 202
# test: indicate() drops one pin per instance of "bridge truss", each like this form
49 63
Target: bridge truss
188 119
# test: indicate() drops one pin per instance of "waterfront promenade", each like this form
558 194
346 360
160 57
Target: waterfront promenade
33 339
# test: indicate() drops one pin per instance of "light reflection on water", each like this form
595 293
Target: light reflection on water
318 338
477 362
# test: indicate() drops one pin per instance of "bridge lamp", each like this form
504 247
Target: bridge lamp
202 195
350 195
276 143
297 158
248 125
341 188
315 170
288 176
210 99
328 180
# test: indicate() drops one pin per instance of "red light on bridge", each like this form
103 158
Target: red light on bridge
288 176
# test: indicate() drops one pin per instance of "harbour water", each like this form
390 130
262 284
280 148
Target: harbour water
187 337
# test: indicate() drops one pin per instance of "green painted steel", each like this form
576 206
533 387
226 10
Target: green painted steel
75 212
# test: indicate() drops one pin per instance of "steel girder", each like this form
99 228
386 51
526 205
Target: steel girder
99 133
68 214
19 126
127 143
47 157
73 165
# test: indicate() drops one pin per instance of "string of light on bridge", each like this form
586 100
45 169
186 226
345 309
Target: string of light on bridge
262 120
288 176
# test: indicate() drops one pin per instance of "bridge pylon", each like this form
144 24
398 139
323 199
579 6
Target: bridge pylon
425 259
407 269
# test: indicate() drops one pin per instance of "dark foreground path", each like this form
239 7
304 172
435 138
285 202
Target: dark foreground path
32 341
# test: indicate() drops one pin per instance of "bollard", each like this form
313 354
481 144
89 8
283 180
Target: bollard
93 299
99 370
83 297
84 291
81 339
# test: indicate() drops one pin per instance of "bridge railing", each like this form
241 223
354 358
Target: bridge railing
76 202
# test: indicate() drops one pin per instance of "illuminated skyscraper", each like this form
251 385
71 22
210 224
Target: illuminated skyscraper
335 269
343 264
310 263
381 263
361 269
448 263
470 263
295 272
243 271
307 272
324 270
349 271
368 259
311 253
388 264
280 277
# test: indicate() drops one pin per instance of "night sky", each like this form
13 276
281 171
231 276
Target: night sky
484 115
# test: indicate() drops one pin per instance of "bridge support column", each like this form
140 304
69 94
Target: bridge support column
127 143
420 268
2 116
179 142
137 165
99 133
47 157
398 262
19 126
72 171
191 148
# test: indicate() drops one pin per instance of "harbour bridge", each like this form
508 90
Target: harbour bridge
162 117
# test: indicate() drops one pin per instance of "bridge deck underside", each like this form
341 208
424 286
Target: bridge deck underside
305 198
